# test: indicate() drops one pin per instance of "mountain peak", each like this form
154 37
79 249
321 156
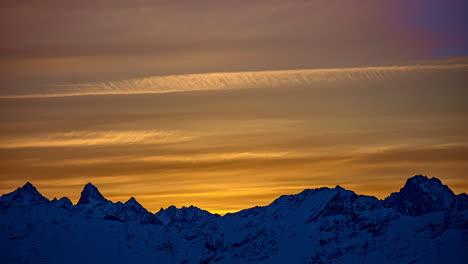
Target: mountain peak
421 183
28 193
28 185
132 202
421 195
63 202
30 189
132 210
422 180
183 214
91 194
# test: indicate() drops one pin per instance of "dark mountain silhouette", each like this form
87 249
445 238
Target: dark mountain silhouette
422 195
91 194
425 222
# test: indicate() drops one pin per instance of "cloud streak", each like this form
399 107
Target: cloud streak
93 138
237 80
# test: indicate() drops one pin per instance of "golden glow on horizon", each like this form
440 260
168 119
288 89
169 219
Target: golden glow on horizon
223 150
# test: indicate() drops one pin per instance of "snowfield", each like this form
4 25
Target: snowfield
423 223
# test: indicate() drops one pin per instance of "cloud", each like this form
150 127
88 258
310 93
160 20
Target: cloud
238 80
229 181
107 40
455 153
92 138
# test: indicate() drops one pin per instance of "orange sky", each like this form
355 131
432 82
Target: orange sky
227 149
227 105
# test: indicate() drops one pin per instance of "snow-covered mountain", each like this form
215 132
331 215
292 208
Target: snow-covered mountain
423 223
92 205
184 215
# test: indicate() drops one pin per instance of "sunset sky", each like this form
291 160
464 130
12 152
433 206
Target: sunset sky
229 104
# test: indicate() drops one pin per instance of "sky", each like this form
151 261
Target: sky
229 104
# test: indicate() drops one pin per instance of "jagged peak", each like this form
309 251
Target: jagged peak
423 180
337 188
26 193
191 208
91 194
310 196
132 202
90 185
28 185
64 201
421 183
173 208
28 188
421 195
183 214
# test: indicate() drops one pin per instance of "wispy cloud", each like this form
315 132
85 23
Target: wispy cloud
91 138
236 80
180 160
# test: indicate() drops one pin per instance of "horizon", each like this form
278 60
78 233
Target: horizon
222 213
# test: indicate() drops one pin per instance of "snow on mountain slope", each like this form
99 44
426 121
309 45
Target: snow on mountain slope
24 196
423 223
184 215
422 195
92 205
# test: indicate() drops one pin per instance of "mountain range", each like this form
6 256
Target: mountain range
425 222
